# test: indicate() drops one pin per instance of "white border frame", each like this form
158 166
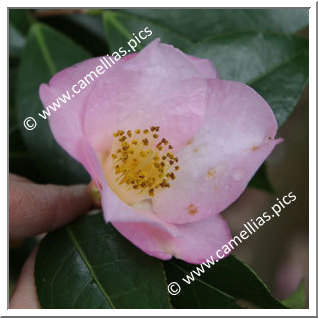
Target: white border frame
312 164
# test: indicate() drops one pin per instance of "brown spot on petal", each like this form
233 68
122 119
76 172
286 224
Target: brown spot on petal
211 173
190 141
215 188
192 209
196 149
254 148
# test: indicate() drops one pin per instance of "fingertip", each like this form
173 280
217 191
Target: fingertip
25 295
36 208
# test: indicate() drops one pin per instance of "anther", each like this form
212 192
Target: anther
145 142
142 164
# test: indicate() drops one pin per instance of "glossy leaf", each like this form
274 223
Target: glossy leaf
197 24
275 65
200 294
46 52
19 23
88 264
297 300
86 30
120 27
19 157
230 277
282 87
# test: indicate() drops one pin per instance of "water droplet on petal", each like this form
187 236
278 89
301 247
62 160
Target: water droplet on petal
238 175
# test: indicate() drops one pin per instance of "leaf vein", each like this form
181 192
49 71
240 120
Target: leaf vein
86 262
44 50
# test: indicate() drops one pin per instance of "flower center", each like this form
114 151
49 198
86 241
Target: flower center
140 164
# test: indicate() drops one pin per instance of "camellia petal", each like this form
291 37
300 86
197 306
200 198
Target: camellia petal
67 121
116 210
113 208
194 242
108 106
167 144
219 161
205 66
160 86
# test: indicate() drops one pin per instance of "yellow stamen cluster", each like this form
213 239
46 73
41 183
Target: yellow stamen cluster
142 161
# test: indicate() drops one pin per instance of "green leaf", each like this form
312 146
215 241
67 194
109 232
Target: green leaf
296 300
120 26
21 20
275 65
200 295
230 277
261 181
197 24
46 52
282 87
19 23
88 264
16 41
19 159
86 30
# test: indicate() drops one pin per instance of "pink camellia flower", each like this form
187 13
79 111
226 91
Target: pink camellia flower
168 144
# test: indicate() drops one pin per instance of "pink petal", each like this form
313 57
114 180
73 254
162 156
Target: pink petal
113 208
216 166
116 210
191 242
66 122
194 242
89 160
205 66
160 86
